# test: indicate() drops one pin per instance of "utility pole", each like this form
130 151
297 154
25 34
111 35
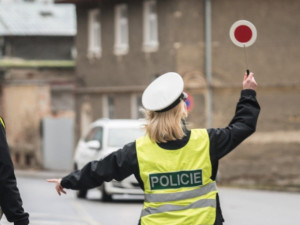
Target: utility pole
209 97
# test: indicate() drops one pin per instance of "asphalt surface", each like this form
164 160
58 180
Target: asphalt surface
240 207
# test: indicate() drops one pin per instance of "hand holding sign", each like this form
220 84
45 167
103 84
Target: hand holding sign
243 34
249 82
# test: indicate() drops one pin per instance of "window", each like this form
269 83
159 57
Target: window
111 107
94 34
108 106
136 105
121 30
139 107
95 134
85 117
120 136
150 26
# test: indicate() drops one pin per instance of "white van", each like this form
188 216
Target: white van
103 137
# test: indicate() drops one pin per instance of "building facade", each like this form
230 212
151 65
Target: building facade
123 45
37 73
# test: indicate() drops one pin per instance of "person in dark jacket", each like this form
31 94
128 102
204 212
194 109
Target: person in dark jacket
10 199
175 167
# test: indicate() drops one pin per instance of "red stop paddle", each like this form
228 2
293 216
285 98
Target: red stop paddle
243 34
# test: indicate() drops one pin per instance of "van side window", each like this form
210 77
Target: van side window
95 134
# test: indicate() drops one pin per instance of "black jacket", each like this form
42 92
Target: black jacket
10 199
123 162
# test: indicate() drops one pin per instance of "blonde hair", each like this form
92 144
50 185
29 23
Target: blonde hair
166 126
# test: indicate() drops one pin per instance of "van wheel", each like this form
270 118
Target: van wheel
81 193
105 196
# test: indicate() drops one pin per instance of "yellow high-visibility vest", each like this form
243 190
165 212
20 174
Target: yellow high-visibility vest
177 183
2 122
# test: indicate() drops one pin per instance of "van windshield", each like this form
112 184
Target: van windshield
118 137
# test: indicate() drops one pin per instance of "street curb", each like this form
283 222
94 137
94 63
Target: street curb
41 174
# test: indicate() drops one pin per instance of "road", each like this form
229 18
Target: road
240 207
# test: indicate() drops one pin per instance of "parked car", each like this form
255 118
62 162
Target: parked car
103 137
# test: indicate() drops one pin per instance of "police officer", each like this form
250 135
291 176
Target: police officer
10 199
175 167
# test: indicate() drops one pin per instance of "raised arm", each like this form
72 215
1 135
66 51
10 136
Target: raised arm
243 124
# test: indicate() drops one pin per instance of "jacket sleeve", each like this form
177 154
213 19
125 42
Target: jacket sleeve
118 165
243 124
10 199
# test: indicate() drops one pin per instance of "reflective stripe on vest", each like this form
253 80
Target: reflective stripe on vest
169 207
181 195
177 184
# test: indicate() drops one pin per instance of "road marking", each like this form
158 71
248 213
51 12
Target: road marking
50 219
43 222
83 214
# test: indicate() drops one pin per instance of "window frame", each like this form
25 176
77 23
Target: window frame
94 33
121 46
149 17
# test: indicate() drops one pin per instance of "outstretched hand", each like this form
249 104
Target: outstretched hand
58 187
249 82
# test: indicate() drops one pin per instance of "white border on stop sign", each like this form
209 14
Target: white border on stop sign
241 23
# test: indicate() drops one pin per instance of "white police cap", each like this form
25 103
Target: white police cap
164 93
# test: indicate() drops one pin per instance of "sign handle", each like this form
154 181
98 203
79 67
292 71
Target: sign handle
247 70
